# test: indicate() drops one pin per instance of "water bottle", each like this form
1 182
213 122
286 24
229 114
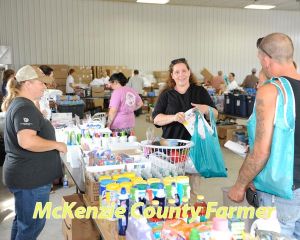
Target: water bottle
123 202
65 181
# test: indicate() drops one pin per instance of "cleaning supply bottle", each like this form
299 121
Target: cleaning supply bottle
155 204
132 138
175 194
161 195
194 235
185 201
123 137
123 202
201 203
171 204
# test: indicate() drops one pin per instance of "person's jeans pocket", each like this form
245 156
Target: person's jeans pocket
286 211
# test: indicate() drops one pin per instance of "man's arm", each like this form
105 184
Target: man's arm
255 161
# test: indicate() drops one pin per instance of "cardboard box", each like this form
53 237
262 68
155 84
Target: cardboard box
127 72
92 189
60 81
60 70
161 74
78 229
98 91
99 102
225 133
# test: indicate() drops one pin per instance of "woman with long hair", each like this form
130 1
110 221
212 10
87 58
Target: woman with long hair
181 94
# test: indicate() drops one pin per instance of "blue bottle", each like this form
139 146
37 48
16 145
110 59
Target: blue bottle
123 202
161 196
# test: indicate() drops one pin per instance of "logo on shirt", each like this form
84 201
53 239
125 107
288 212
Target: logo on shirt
26 122
130 99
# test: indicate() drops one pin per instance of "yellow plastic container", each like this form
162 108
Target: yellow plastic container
130 175
153 180
137 180
117 176
112 190
126 185
103 178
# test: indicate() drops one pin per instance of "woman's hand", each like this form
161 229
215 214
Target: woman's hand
205 109
179 117
201 107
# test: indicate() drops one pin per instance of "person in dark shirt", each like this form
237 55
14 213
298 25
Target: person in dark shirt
275 53
8 74
32 158
181 94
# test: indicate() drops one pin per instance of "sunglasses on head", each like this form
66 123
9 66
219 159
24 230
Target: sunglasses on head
179 60
264 51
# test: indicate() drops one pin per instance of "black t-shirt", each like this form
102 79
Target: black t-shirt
22 168
296 89
171 102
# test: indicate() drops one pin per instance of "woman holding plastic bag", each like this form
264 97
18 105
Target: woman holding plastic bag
181 94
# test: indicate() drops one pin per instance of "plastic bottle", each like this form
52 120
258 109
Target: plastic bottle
161 196
155 204
140 195
123 202
175 194
201 203
185 201
65 181
149 195
132 138
123 137
194 235
138 228
171 204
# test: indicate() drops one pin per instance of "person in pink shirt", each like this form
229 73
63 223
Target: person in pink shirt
123 102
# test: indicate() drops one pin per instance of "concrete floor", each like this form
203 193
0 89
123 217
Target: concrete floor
210 188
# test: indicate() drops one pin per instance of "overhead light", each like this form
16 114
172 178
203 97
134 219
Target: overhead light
153 1
261 7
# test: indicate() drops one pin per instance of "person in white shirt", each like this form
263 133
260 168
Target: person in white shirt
70 82
100 81
136 82
43 103
232 83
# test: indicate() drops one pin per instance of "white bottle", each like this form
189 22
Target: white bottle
123 137
267 224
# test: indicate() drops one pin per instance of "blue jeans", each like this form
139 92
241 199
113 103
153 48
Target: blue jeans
24 226
288 211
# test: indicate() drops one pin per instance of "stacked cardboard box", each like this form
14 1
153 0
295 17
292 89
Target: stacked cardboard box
92 189
97 71
78 229
227 132
82 74
98 91
161 76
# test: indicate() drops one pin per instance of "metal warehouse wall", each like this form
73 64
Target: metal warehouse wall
147 37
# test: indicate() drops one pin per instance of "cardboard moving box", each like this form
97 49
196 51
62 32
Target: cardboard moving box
92 189
78 229
225 133
97 91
